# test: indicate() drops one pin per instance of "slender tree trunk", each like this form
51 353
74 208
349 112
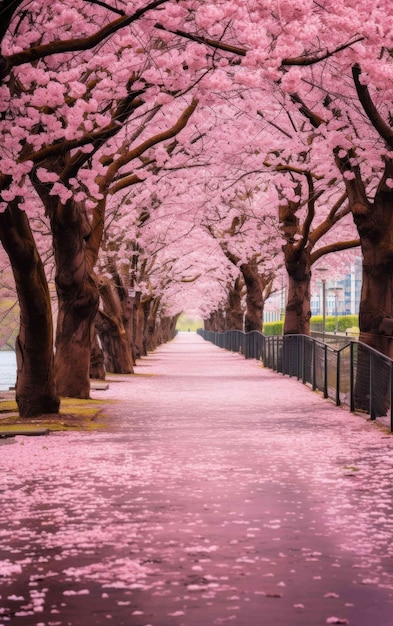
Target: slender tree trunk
167 328
298 309
133 305
151 328
128 319
97 361
208 323
141 318
110 328
35 386
160 331
123 305
234 310
216 321
170 327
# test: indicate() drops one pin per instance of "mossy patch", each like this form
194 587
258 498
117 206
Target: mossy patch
75 414
143 375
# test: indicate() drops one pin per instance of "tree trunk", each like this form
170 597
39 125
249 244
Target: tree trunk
123 304
298 309
216 321
167 328
142 316
78 300
254 298
151 328
171 327
374 222
128 307
132 326
97 361
376 302
234 310
160 331
35 385
110 329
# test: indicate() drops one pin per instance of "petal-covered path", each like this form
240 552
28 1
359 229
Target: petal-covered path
221 493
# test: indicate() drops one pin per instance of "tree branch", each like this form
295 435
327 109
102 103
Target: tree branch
148 143
334 247
281 167
332 219
354 185
72 45
123 183
312 60
312 197
213 43
314 119
382 128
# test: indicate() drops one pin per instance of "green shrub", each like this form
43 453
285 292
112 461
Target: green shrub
273 328
343 322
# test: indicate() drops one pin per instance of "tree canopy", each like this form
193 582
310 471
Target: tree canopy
172 146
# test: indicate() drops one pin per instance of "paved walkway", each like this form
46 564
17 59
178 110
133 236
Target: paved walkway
222 493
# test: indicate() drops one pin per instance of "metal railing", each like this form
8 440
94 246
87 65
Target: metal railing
354 375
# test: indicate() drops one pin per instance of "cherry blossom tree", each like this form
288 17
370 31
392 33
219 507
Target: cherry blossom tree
349 129
309 235
85 85
54 157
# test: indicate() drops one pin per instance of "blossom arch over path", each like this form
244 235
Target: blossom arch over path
74 72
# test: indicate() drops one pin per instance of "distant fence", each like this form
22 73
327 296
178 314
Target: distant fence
353 374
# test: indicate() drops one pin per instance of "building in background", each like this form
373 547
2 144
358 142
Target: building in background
342 295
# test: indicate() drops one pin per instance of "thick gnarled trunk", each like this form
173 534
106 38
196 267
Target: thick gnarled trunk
374 222
376 301
35 386
234 309
78 300
255 296
298 309
74 337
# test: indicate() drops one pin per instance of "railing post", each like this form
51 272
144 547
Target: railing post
246 349
352 378
325 372
338 375
274 342
275 355
313 365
